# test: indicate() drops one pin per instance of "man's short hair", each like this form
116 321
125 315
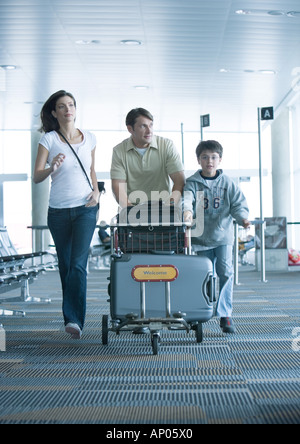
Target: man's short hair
209 145
135 113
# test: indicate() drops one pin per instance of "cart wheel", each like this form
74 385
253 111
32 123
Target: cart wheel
199 333
104 329
155 342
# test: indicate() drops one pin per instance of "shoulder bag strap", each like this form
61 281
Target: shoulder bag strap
79 161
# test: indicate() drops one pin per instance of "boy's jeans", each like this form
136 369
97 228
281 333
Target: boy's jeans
224 268
72 230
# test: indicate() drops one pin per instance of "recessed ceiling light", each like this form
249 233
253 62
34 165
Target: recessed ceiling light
276 13
293 14
261 12
87 42
131 42
243 12
8 67
267 71
247 71
231 71
141 87
34 103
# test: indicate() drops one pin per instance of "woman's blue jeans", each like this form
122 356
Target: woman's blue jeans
222 257
72 230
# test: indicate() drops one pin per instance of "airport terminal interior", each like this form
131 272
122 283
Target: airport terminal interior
224 70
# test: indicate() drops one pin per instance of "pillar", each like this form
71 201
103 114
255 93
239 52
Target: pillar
2 339
281 160
40 198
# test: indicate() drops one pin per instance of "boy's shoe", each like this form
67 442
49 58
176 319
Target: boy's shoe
74 330
227 325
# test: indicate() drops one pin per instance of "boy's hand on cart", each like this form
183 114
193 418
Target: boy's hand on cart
246 223
188 216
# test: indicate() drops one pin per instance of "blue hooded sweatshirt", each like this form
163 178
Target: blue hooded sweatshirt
221 201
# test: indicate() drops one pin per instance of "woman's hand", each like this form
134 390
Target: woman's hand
93 199
57 162
40 172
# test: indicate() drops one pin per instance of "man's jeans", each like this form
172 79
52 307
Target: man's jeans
72 230
222 257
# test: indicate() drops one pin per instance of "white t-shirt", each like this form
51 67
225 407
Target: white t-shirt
69 186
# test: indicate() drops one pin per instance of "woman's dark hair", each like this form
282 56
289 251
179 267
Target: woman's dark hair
135 113
209 145
49 123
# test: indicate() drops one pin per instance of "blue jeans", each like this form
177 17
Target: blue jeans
72 230
222 257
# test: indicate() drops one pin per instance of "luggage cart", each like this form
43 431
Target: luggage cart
155 284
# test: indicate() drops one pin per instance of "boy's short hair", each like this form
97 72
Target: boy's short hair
209 145
135 113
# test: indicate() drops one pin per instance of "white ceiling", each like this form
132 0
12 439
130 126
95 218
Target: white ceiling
184 45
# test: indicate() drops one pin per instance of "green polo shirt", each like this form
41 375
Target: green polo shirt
148 173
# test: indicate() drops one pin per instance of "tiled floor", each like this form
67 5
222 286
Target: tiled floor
250 377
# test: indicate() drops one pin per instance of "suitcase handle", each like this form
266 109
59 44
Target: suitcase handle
209 288
166 253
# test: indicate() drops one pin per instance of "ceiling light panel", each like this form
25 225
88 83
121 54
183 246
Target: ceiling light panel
183 45
131 42
266 12
293 14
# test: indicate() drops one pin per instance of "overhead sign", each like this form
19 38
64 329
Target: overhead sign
205 120
267 113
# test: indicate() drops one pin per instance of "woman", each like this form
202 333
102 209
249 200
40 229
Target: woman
74 200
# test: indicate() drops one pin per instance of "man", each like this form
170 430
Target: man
143 164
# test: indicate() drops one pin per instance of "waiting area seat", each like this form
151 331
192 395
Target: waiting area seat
100 249
20 270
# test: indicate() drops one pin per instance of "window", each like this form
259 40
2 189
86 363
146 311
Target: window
240 156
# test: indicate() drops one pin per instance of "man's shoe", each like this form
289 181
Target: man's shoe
227 325
74 330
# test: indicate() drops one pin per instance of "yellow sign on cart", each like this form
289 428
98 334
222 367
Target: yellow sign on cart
154 273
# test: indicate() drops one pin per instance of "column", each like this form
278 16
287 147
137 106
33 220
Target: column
40 198
281 160
295 166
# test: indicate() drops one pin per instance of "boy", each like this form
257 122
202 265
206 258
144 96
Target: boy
223 201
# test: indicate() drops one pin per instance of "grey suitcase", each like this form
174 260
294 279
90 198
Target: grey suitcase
192 292
161 290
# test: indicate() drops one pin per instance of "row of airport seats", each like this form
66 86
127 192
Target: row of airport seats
20 270
100 249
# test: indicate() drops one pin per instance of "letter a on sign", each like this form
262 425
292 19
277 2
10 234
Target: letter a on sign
267 113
